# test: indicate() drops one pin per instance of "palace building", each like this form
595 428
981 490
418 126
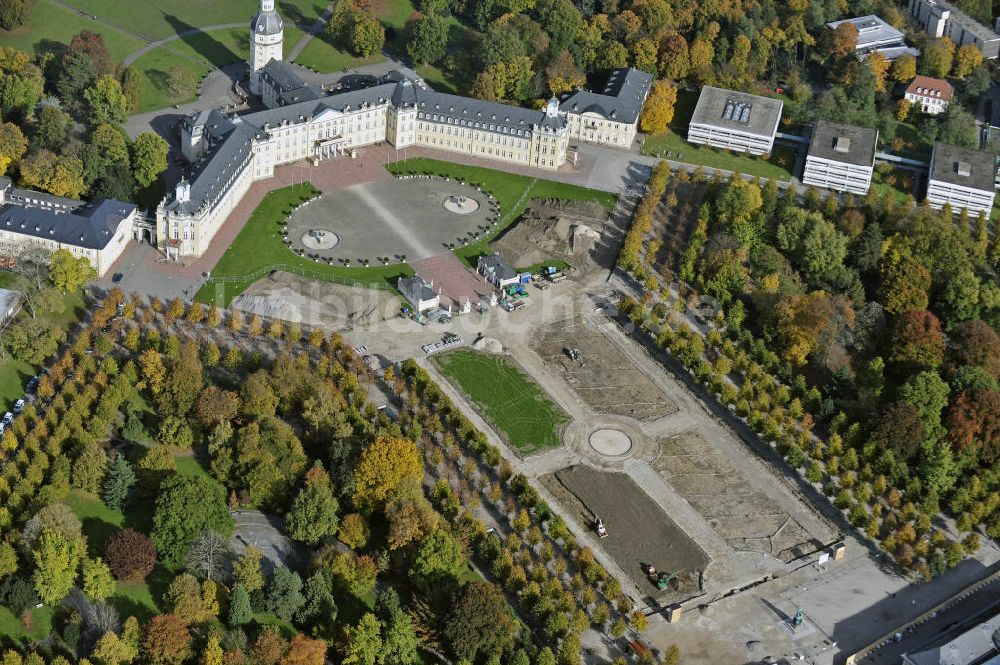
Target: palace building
301 121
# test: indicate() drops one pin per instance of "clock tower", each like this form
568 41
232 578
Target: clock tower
266 40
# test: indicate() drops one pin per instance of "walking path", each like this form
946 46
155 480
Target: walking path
155 44
317 26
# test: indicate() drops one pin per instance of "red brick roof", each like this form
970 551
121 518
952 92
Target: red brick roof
930 87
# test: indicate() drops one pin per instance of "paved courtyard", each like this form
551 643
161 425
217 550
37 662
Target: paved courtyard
394 218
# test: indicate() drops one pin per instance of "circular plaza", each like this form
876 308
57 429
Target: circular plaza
399 220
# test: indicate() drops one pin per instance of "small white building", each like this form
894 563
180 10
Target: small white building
10 303
841 157
875 34
929 95
735 121
496 271
420 293
962 178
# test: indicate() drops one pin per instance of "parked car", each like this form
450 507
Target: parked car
32 384
8 418
19 406
117 277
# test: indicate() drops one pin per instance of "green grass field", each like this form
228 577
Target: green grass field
512 191
41 625
516 406
322 56
52 21
259 245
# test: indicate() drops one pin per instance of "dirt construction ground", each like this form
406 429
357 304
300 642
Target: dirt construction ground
602 377
639 532
747 519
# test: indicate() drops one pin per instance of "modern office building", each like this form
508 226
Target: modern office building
610 117
962 178
874 34
36 221
735 121
929 95
841 157
940 18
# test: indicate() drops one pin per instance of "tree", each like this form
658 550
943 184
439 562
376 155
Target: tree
247 569
973 422
76 75
62 176
185 599
916 341
113 650
132 85
904 68
213 654
439 563
967 58
181 82
429 40
167 641
149 158
314 511
106 103
975 343
384 465
410 515
480 622
363 642
905 283
613 55
284 593
98 583
305 651
399 639
938 57
156 465
353 531
257 396
957 126
13 145
240 612
131 556
91 44
118 482
270 647
8 560
928 394
658 111
186 507
209 556
843 41
14 13
318 606
67 272
367 35
561 20
56 560
562 74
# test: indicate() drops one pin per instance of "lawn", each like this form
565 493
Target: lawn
517 407
898 183
258 249
156 19
201 53
513 192
12 627
50 20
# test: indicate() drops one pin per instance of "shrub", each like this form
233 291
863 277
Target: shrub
130 555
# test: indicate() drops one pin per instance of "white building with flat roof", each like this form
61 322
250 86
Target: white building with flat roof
735 121
961 178
940 18
841 157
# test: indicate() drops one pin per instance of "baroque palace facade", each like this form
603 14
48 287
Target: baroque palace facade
303 121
